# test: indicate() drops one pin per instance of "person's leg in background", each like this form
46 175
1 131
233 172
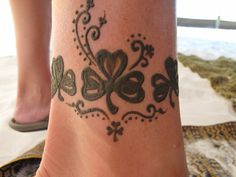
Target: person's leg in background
115 110
33 28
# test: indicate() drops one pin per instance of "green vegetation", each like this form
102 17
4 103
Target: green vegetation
221 73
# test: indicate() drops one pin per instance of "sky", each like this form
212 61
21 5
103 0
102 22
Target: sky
205 9
7 36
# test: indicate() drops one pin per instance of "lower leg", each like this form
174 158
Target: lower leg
33 27
115 109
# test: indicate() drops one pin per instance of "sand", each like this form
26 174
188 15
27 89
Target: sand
199 103
220 72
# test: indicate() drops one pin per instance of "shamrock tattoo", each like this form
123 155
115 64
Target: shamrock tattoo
62 81
112 65
113 75
164 86
115 129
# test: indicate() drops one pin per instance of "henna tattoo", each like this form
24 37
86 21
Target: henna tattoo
110 72
78 109
115 129
151 109
164 86
82 37
62 81
112 65
145 51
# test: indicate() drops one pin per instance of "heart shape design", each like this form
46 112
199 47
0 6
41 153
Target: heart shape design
112 65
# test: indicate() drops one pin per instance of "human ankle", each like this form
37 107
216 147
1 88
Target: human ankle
32 105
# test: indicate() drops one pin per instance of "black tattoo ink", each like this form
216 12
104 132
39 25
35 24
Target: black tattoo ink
79 105
115 129
112 65
62 81
110 72
93 31
164 86
90 4
151 109
146 51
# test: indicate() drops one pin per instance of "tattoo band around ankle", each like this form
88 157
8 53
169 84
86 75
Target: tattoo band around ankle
112 72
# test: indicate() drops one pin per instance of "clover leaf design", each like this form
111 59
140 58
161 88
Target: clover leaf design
149 51
116 129
164 86
62 81
112 65
90 4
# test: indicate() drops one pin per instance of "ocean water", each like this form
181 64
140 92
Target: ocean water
206 43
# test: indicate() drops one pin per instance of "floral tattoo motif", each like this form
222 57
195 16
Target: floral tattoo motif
146 51
115 129
112 65
79 105
164 86
84 32
62 81
110 73
151 109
